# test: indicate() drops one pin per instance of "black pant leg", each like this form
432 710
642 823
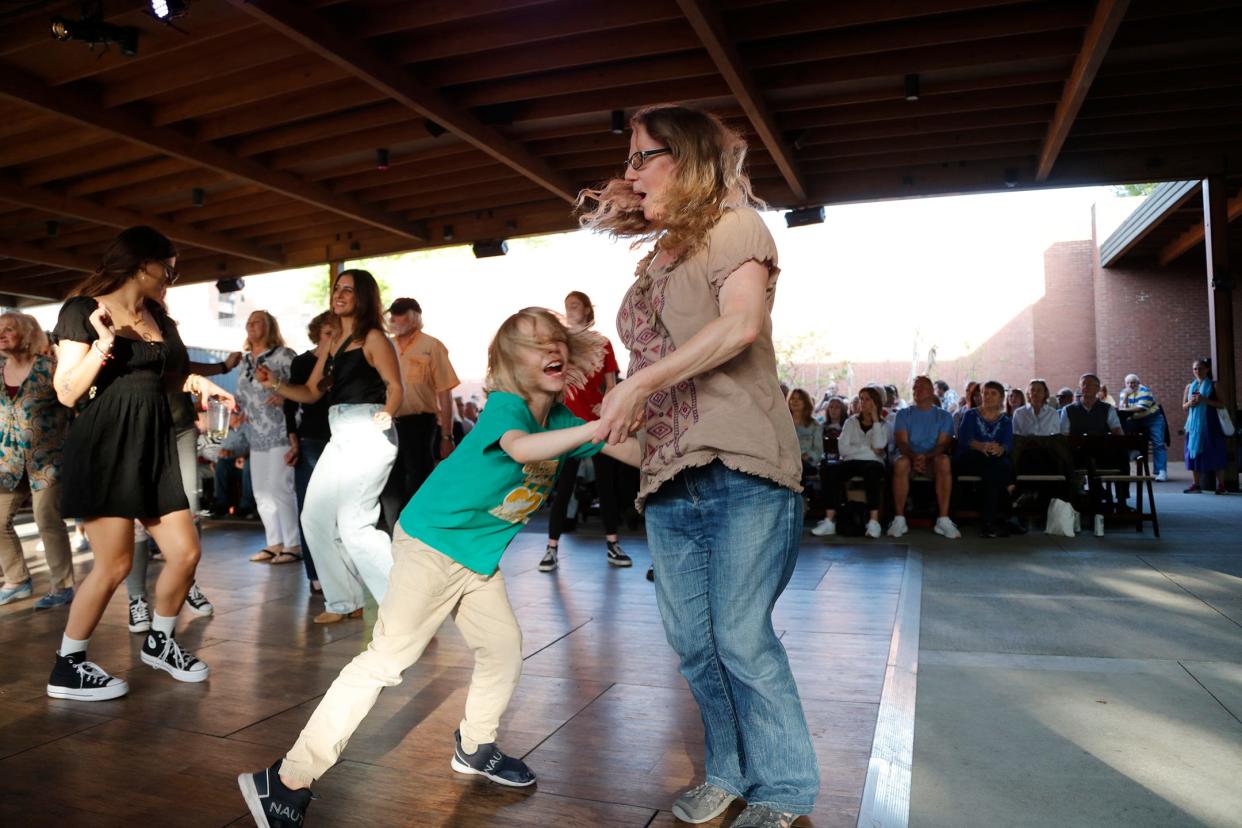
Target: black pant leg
560 502
606 486
873 481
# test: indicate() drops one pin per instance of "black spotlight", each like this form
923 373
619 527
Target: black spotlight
197 196
230 284
912 87
1011 177
53 229
381 159
618 122
93 29
489 249
447 233
433 129
169 9
804 216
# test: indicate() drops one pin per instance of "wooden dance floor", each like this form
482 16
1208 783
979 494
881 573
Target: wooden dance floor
601 714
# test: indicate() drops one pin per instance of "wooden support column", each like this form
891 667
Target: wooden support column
334 268
1220 305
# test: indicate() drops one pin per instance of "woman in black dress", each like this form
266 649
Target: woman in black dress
116 346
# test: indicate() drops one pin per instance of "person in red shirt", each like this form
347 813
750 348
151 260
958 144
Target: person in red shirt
584 403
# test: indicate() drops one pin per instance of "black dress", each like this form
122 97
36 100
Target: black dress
121 453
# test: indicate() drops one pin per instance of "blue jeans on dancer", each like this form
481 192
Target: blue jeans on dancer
1153 426
724 545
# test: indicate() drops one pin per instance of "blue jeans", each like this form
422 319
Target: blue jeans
724 545
309 450
1153 425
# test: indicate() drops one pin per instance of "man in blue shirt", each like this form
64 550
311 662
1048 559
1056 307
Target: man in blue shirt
923 434
1146 417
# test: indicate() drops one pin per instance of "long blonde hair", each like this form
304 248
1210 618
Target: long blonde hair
271 337
586 349
709 178
29 332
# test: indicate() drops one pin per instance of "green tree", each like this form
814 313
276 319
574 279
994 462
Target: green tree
1127 190
319 290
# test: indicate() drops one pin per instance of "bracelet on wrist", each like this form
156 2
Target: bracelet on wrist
103 355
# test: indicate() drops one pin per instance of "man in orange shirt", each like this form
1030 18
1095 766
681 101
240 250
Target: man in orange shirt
425 420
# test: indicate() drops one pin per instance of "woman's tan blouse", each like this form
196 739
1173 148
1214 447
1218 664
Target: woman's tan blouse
734 413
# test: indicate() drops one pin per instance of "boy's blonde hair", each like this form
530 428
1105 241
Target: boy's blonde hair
586 349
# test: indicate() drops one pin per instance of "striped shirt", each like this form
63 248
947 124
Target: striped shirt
1142 399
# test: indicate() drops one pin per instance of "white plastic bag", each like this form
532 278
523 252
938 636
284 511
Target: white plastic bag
1062 519
1226 424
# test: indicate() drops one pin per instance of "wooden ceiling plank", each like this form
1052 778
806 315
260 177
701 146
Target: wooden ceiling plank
325 127
924 107
815 15
1099 36
86 210
128 175
406 16
321 101
73 105
1193 237
220 95
73 164
36 254
356 57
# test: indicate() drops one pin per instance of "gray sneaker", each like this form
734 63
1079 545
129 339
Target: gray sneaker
702 803
758 816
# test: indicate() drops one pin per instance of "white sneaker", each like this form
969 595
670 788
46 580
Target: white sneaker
1162 477
947 528
81 543
898 527
873 529
824 528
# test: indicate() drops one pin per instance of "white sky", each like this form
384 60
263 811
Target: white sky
871 283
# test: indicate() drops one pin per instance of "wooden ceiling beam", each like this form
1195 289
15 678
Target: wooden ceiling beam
925 107
86 210
402 17
75 163
1099 36
37 254
359 59
321 101
75 105
343 125
959 122
797 18
709 27
224 94
1193 237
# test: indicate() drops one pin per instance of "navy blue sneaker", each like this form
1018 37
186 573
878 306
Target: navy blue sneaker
488 761
271 803
55 599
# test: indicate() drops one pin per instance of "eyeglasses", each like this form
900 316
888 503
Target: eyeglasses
639 159
170 273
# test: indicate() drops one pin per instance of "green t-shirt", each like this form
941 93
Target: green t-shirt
479 498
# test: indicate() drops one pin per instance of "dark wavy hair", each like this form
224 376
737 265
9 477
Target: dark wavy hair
368 309
131 250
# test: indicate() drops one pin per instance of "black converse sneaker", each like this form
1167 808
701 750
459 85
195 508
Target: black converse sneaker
271 803
617 556
487 760
139 615
162 652
197 601
549 559
75 678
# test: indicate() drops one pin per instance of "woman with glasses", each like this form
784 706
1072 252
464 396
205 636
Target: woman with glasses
116 345
721 468
358 372
268 429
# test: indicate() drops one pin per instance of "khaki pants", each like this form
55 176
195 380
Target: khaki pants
424 587
46 503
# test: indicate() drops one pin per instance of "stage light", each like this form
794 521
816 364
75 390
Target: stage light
489 249
447 232
618 122
1011 177
169 9
912 87
197 197
381 159
53 229
433 129
230 284
95 31
803 216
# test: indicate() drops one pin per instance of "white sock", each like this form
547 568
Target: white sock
72 645
163 623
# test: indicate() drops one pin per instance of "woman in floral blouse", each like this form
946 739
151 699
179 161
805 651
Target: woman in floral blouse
33 424
270 434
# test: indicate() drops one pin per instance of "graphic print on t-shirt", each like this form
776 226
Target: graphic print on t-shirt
523 501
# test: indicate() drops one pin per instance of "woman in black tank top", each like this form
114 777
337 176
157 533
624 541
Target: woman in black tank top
358 371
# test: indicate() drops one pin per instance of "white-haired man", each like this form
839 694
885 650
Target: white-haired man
1146 418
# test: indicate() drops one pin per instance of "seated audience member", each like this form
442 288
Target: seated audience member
1145 418
1065 397
834 420
855 405
810 435
863 446
948 397
1105 396
972 397
1014 399
923 434
1038 445
984 444
892 400
1093 417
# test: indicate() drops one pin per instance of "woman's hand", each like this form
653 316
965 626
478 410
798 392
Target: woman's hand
208 389
263 376
101 321
382 420
231 361
622 411
291 456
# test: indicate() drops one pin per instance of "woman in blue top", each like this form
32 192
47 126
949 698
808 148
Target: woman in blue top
1206 445
984 444
446 551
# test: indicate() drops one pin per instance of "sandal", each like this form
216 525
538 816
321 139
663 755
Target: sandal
264 556
285 558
